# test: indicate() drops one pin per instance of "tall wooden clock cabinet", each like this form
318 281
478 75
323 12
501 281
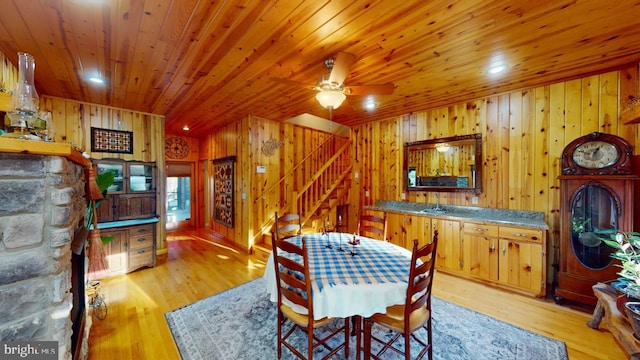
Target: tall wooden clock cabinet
597 193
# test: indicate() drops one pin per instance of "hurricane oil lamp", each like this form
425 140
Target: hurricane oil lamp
23 107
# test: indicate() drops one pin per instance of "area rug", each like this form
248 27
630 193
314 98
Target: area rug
240 323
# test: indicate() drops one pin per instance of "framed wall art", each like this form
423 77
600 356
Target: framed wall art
112 141
223 177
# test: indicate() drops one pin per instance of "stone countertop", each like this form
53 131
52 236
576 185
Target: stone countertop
532 219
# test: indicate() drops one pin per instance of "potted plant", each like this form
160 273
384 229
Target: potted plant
627 250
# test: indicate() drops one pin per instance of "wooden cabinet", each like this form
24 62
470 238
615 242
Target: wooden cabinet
133 193
508 256
395 228
480 250
449 252
132 247
128 213
402 229
140 246
511 256
116 251
522 259
417 227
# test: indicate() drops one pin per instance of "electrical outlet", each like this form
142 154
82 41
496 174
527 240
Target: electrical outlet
474 200
355 175
403 196
366 193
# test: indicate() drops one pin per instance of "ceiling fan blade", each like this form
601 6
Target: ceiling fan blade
381 89
293 83
342 62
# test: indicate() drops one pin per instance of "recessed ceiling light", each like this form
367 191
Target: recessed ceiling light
370 104
185 128
496 69
96 80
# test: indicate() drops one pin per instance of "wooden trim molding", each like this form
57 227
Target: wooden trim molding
9 145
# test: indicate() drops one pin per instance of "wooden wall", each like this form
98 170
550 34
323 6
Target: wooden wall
8 74
196 182
72 121
257 195
524 133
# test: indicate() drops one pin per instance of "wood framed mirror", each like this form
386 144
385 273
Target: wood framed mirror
452 164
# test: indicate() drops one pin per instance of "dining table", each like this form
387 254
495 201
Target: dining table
346 279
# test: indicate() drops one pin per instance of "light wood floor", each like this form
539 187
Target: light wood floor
198 266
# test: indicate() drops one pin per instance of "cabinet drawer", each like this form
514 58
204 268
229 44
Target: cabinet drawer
140 257
517 233
141 237
480 229
141 230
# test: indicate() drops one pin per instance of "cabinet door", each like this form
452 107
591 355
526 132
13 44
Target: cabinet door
395 229
141 177
417 227
118 169
480 250
116 251
449 245
135 206
521 265
105 211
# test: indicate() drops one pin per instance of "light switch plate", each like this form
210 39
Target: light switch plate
261 169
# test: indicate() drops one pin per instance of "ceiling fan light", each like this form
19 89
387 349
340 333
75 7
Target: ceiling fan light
330 98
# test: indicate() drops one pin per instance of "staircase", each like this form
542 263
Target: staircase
317 198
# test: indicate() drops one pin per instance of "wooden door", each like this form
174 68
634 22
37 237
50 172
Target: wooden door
449 253
481 256
480 250
116 251
395 229
520 265
417 227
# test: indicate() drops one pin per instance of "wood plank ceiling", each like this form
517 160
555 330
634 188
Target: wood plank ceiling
209 63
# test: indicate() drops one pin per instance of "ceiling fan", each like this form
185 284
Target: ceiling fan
331 88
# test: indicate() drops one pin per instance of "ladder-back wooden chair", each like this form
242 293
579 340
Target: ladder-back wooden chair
294 286
287 225
415 314
372 226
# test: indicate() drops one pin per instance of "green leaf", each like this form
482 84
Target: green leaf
105 180
106 239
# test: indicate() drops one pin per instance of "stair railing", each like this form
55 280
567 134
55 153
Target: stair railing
328 163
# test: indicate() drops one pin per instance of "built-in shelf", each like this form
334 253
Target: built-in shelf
9 145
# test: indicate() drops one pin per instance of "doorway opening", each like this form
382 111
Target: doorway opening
179 195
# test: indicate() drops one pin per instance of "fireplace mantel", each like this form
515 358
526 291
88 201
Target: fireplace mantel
8 145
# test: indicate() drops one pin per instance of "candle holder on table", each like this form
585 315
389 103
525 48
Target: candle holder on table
354 242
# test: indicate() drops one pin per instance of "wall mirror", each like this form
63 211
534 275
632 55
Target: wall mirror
452 164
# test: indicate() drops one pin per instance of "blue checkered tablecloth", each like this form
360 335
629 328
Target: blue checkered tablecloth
344 284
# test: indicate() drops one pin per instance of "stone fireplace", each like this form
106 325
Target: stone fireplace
42 207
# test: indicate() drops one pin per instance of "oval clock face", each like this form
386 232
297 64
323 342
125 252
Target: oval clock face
595 154
176 148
